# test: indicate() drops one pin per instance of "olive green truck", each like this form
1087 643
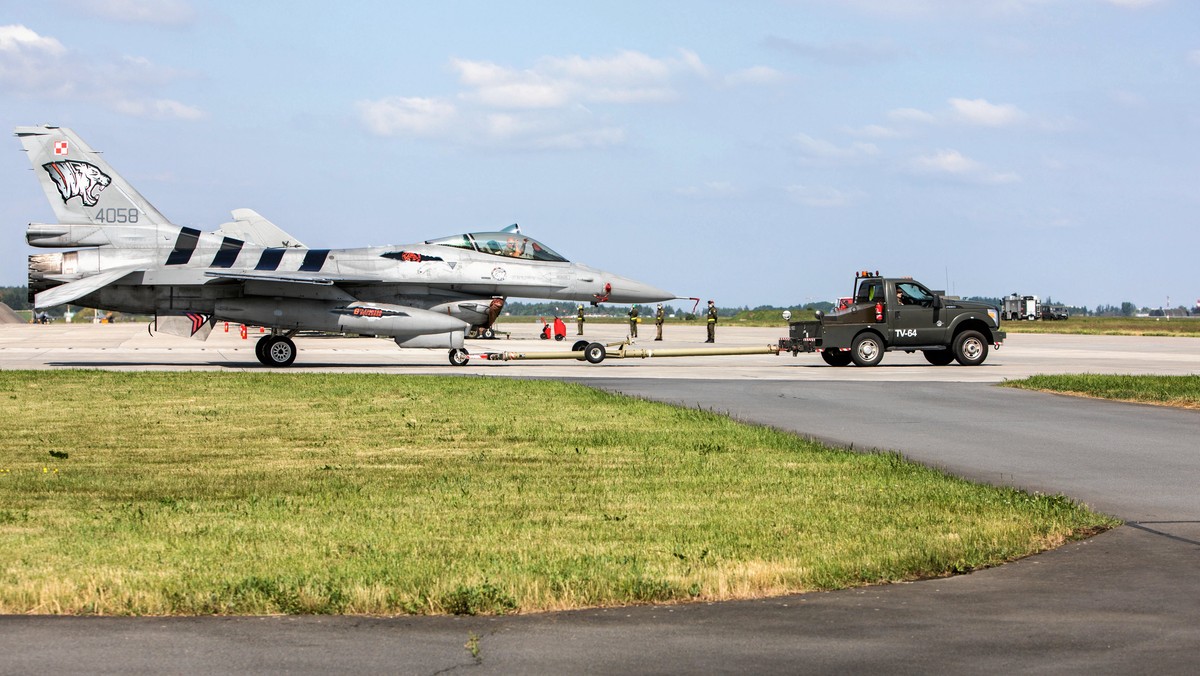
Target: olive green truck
898 313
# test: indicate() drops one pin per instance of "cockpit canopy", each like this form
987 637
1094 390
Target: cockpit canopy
508 242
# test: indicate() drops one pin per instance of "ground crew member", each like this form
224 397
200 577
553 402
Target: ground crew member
658 321
633 319
712 323
580 320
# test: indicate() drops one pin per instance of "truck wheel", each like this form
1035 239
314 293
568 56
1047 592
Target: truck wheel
939 357
970 348
594 353
836 357
867 349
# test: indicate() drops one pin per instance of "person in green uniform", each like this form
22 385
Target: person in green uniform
658 321
712 323
579 320
633 319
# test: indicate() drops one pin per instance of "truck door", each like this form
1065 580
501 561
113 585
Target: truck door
914 319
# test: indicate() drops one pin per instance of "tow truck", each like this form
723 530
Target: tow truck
898 313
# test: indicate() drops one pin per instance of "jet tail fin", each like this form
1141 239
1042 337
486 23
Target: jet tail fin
80 185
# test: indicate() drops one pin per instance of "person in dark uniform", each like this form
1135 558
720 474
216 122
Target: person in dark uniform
658 321
712 323
579 320
633 319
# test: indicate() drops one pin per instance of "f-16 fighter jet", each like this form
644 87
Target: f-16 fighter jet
132 259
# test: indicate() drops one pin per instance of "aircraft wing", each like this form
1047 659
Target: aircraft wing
81 287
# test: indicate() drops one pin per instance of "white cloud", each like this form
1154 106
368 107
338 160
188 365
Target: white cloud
398 115
974 112
556 82
710 190
821 196
1133 4
17 39
875 131
157 12
981 112
824 150
41 67
982 8
953 164
911 115
546 107
756 75
158 108
836 53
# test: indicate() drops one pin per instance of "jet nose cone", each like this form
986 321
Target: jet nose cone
625 290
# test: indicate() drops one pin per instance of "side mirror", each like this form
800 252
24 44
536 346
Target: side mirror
787 315
937 302
820 315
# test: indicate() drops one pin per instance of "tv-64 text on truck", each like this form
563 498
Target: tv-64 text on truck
898 313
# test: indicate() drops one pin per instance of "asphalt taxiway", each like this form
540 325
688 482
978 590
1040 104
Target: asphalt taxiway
1127 601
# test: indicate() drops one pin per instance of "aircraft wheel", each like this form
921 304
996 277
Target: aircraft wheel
260 349
939 357
970 348
867 349
489 333
280 351
836 357
459 357
594 353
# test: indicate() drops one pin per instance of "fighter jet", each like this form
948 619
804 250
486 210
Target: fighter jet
429 294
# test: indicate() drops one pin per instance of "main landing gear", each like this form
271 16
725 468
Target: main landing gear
275 351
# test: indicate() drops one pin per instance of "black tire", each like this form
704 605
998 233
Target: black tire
260 349
836 357
970 348
559 336
459 357
280 351
939 357
867 349
579 346
594 353
489 333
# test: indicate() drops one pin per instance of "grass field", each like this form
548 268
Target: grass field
211 493
1111 326
1177 391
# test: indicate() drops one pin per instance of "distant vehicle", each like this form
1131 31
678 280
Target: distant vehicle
1017 307
1053 312
898 313
130 258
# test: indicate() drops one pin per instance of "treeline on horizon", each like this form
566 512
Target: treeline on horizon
17 298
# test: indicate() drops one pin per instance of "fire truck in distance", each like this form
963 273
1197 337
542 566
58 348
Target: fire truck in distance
1017 307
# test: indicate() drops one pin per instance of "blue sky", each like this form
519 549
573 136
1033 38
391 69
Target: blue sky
755 152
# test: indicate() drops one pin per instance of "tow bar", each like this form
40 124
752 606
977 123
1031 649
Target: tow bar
595 353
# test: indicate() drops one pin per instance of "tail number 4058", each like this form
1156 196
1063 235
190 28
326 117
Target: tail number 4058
111 215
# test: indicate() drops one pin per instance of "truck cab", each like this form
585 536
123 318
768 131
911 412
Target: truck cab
899 313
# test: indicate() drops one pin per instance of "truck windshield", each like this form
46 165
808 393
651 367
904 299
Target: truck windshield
509 244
